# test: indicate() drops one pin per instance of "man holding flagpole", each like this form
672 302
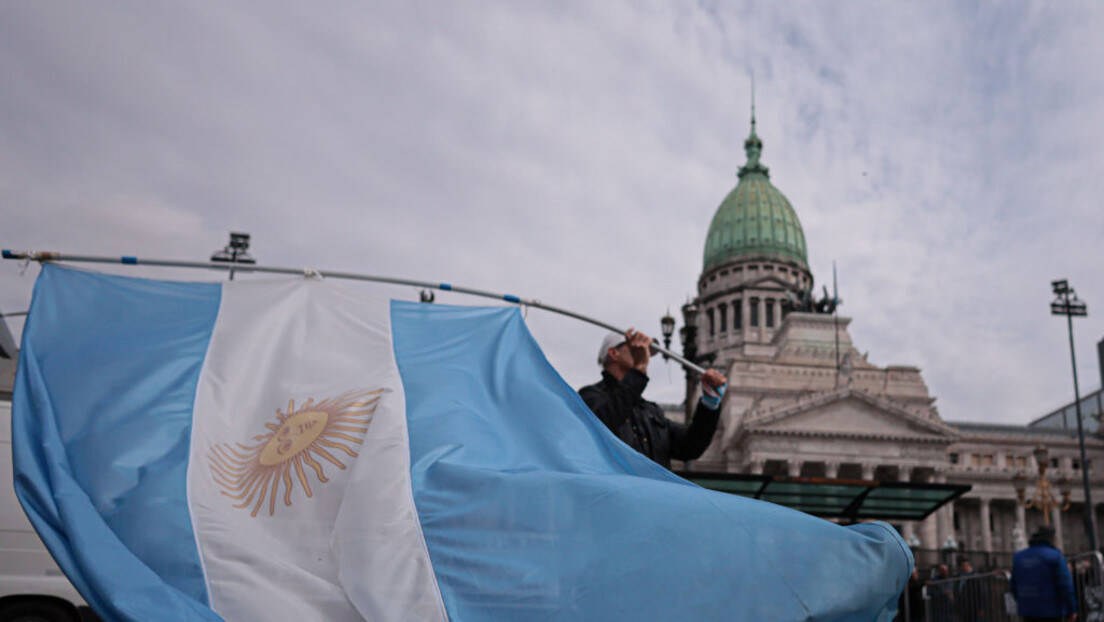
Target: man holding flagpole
617 400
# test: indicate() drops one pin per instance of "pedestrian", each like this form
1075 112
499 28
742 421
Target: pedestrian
970 593
617 400
1041 581
941 592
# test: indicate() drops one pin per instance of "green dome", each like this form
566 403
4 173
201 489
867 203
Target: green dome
755 219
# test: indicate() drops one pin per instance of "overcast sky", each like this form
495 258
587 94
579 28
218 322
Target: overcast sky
947 156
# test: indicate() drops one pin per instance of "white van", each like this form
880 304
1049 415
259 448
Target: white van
32 588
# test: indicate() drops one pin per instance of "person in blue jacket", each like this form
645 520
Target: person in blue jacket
1041 581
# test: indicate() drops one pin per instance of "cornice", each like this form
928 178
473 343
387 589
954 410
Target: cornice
749 260
1032 441
742 286
861 436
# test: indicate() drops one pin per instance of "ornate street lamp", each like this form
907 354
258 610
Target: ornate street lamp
1043 498
1066 303
667 325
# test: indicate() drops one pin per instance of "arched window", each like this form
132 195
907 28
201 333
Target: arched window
722 316
753 311
737 314
712 327
770 313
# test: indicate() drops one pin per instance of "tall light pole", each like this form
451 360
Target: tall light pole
237 251
1066 303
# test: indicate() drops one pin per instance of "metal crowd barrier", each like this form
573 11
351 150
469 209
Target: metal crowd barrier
973 598
985 597
1088 584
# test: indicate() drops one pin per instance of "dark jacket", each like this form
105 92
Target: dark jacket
642 425
1041 582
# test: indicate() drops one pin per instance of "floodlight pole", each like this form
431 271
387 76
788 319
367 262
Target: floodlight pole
236 252
1068 304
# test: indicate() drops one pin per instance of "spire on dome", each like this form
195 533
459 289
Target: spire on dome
753 146
753 103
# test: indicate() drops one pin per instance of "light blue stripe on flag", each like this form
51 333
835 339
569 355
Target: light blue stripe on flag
532 510
101 428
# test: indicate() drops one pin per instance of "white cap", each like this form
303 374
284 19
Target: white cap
611 340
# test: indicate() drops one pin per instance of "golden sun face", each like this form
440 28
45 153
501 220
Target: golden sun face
252 474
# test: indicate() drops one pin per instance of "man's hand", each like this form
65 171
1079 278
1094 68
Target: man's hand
713 387
712 379
640 349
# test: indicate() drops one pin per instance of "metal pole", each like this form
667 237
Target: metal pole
835 317
44 257
1090 518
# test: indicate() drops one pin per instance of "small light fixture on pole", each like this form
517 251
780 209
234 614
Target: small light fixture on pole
1043 498
237 251
667 325
1066 303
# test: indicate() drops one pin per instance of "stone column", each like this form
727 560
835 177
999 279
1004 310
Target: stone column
831 469
986 533
732 461
867 471
794 468
904 473
908 528
1021 522
1056 522
755 467
943 525
929 534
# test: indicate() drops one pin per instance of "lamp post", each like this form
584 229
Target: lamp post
667 325
237 251
1043 498
1066 303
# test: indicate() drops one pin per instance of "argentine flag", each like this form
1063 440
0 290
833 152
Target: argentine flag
294 450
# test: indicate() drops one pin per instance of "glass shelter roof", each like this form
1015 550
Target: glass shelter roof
848 499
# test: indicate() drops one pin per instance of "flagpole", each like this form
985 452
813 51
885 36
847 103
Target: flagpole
50 256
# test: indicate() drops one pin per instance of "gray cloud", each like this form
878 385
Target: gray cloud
943 155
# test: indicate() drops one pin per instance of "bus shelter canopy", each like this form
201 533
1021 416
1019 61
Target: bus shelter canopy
848 499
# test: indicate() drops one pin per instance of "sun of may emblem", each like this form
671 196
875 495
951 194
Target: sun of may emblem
253 473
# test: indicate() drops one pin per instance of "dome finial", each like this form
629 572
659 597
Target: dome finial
753 102
753 147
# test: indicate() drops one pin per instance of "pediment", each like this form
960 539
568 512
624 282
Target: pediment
851 412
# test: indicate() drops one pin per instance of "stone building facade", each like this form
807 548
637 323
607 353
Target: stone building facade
804 401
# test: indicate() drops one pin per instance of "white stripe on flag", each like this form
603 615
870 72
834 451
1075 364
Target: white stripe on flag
299 480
